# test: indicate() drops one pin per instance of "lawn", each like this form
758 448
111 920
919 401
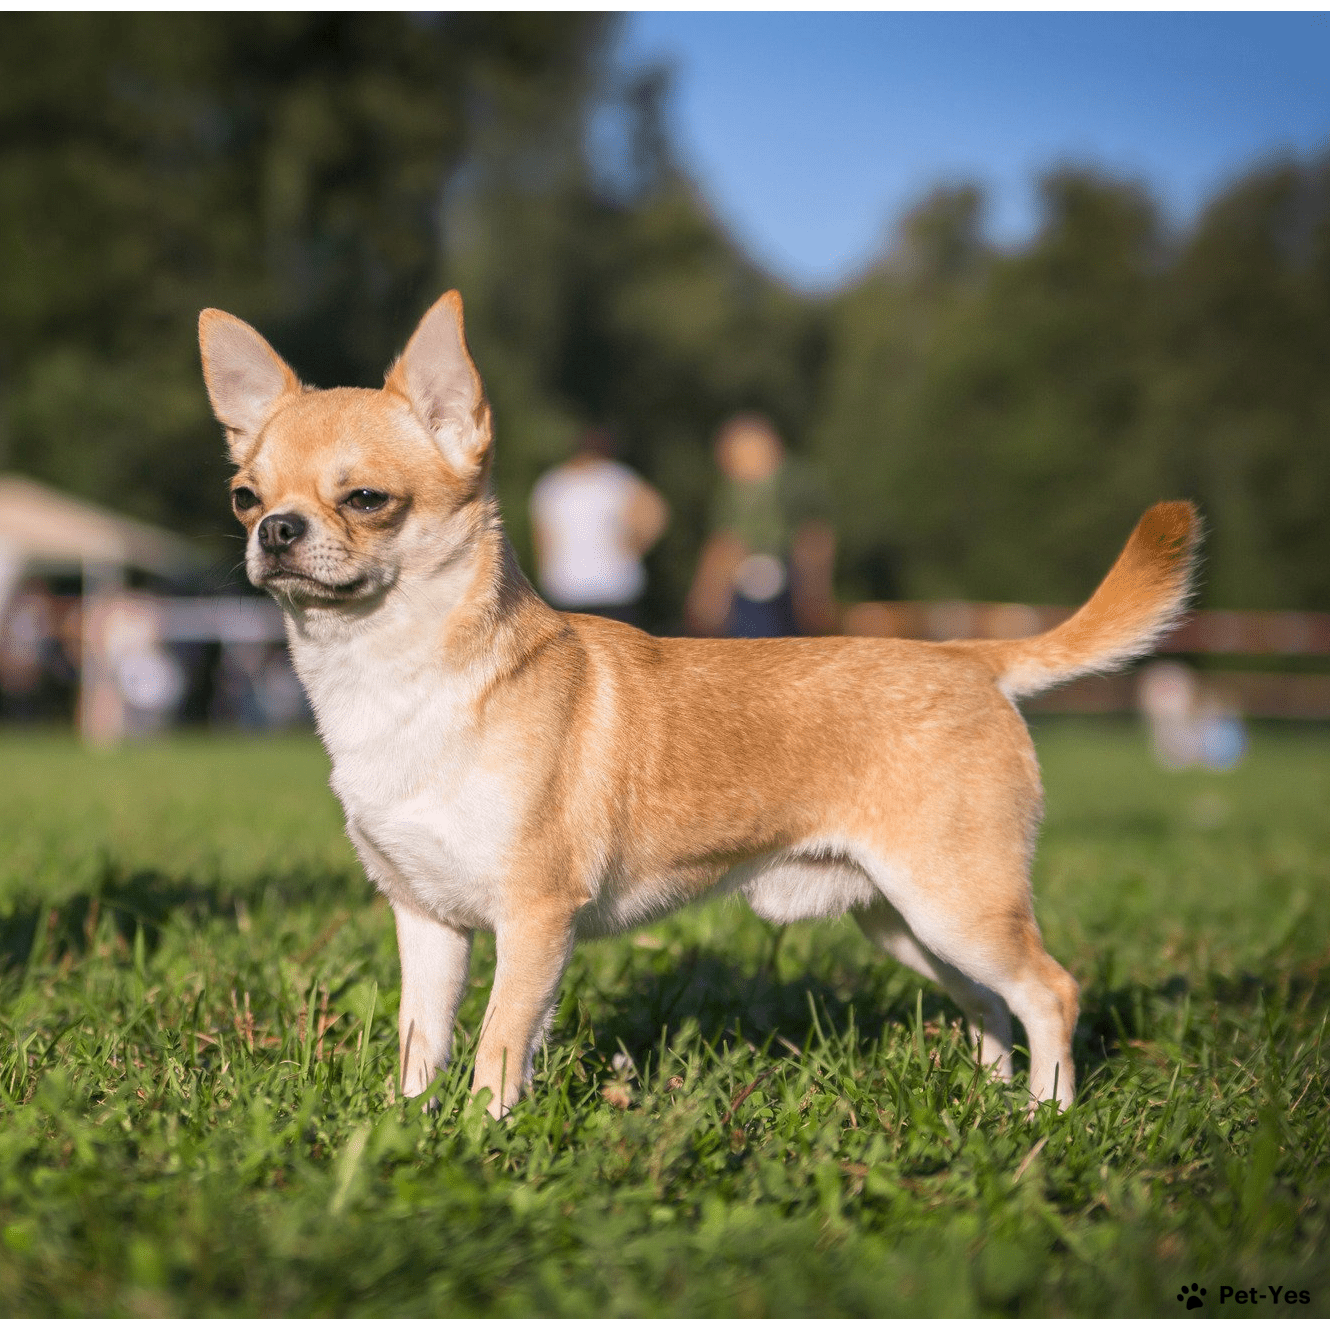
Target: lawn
197 1072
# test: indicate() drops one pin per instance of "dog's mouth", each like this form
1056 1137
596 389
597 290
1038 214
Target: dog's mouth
304 588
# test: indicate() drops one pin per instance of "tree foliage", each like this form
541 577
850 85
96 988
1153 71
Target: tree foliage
1001 420
990 422
287 167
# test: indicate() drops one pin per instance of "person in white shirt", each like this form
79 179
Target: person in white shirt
593 519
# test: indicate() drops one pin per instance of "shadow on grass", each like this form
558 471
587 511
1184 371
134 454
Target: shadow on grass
732 1003
147 900
1135 1013
727 1000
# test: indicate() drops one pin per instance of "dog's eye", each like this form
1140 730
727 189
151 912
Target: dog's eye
366 501
242 498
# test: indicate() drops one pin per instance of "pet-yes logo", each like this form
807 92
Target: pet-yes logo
1274 1295
1193 1296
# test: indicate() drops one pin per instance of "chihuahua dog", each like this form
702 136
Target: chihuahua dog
556 776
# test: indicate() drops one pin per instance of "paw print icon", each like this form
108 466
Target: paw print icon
1193 1295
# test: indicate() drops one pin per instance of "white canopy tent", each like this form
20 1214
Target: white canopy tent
43 530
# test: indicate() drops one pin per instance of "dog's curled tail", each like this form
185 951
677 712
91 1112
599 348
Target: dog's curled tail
1142 597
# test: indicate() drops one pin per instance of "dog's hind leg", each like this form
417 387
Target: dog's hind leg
985 1012
1046 1000
436 959
993 941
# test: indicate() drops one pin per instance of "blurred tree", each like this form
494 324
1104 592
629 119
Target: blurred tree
1016 392
288 167
991 423
606 293
884 333
1029 405
325 176
1242 406
999 420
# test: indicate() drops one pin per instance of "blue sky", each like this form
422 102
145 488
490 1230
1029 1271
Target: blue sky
810 133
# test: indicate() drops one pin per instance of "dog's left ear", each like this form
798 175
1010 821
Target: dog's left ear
436 375
246 378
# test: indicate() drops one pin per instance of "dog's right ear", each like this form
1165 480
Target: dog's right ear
246 378
438 377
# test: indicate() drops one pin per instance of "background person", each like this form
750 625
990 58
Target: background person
593 519
766 569
38 676
1191 725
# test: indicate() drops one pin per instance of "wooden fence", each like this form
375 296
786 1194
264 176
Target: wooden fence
1265 663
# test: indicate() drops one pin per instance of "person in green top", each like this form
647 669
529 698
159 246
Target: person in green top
765 571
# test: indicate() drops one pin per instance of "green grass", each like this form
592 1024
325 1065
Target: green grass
197 1065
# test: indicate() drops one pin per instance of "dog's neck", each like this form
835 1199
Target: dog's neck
457 630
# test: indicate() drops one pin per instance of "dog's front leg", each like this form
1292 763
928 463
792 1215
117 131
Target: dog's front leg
436 959
533 947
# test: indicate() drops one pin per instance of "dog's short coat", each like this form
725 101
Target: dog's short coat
551 776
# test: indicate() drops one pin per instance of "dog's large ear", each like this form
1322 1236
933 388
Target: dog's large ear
246 378
436 375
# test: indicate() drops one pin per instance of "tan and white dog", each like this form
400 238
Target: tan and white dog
555 776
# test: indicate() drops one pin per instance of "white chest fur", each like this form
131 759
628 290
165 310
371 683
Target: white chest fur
431 818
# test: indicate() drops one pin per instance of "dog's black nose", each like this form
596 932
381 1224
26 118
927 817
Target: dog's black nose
279 531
